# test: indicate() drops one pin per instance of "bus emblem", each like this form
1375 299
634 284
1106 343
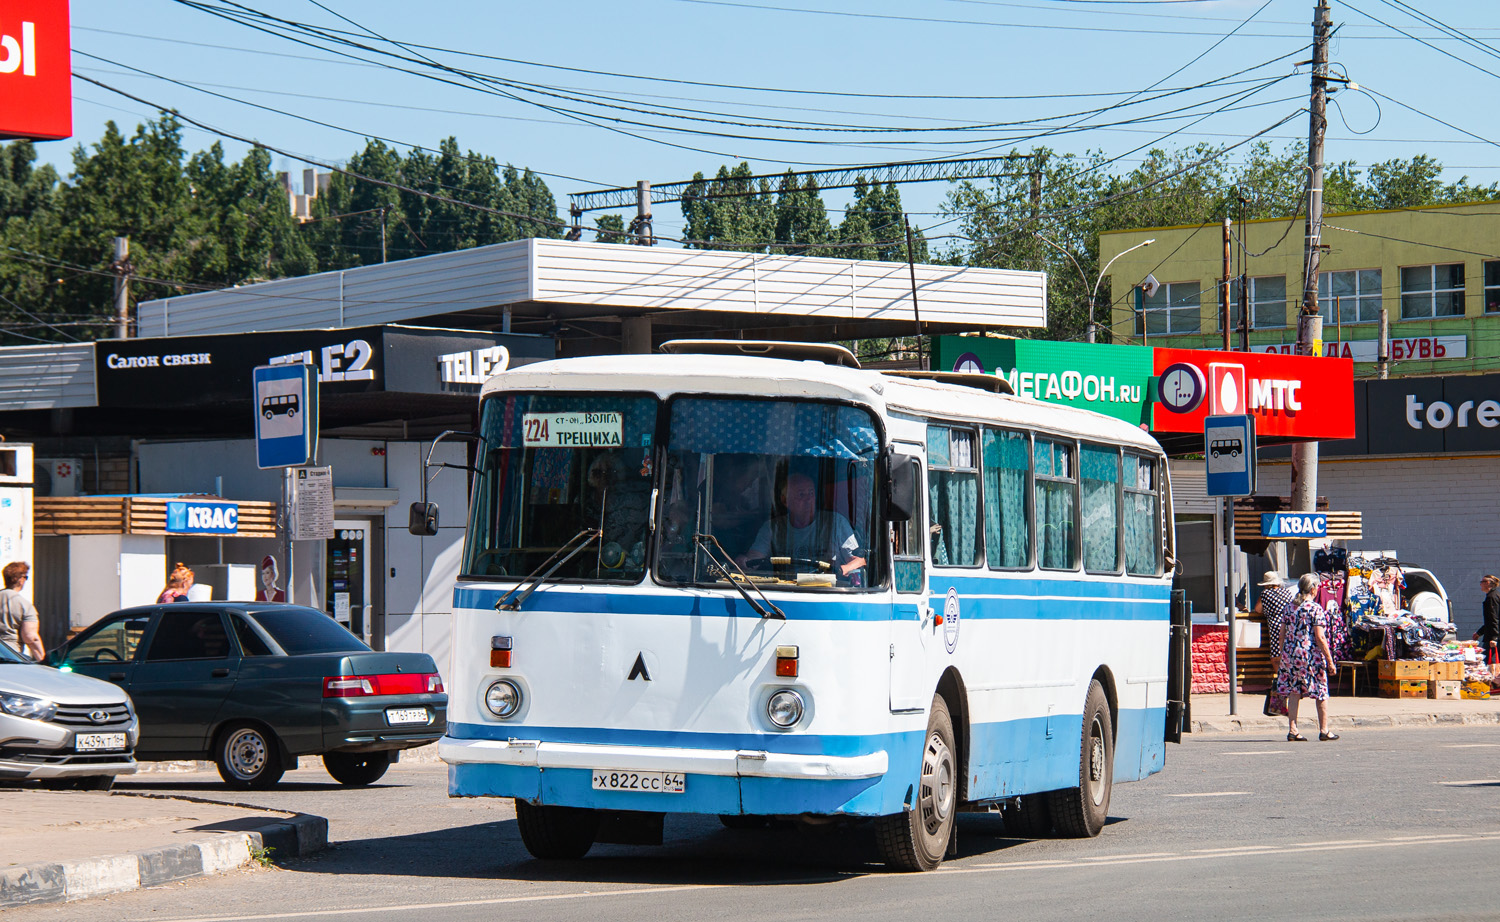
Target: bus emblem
950 620
638 671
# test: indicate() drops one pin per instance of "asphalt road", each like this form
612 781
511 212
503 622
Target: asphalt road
1388 824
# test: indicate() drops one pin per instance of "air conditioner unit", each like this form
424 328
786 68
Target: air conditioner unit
59 476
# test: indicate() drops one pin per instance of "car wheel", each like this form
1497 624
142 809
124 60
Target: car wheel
247 757
1081 812
356 769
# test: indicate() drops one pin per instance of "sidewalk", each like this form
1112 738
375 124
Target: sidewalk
68 845
1210 713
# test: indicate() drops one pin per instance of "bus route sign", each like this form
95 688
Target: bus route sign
1229 453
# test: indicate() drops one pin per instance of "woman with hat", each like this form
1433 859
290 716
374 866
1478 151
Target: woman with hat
1274 602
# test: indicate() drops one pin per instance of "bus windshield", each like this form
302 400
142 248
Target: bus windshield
776 491
553 465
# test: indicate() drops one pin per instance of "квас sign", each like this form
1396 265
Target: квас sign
193 517
1294 525
36 80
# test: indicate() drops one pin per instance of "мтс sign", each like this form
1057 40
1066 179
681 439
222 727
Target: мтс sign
36 93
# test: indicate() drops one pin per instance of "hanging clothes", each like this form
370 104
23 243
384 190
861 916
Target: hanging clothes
1330 598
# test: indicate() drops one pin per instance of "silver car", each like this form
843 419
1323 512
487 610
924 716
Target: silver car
62 729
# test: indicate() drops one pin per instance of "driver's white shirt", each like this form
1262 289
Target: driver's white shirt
840 546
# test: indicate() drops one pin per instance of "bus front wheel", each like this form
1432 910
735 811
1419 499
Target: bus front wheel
917 839
556 832
1080 812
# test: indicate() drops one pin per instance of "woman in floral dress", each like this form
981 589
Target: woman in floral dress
1306 661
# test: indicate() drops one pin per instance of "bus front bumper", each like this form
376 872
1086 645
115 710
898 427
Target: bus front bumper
737 763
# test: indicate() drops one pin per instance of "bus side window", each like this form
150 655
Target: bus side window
953 495
1007 488
1056 505
1142 516
1099 472
907 551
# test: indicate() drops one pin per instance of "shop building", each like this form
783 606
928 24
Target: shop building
1436 272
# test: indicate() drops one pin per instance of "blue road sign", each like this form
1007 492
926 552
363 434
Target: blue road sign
1294 525
286 415
1229 453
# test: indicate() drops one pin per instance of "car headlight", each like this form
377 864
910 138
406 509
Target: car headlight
30 708
785 708
503 698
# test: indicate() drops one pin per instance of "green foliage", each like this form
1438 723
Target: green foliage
729 212
610 228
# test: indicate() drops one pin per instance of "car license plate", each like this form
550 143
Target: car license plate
648 782
93 742
395 716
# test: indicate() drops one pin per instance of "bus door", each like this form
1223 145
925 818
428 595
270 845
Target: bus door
911 612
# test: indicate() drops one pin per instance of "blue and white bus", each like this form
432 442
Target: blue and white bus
761 587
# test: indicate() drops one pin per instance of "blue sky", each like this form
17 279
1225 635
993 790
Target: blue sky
1074 55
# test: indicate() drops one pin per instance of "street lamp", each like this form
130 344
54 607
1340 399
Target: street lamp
1102 273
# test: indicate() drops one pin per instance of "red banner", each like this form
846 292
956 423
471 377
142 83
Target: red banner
1289 395
36 83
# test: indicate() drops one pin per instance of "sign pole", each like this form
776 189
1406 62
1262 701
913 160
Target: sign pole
1230 655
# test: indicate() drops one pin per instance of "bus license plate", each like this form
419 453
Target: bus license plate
648 782
394 716
93 742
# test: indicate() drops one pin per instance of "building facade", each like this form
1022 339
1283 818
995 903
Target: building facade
1436 272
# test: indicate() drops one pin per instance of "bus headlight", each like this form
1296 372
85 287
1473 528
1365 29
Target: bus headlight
503 698
785 708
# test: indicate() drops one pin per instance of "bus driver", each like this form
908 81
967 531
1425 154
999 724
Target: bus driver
806 532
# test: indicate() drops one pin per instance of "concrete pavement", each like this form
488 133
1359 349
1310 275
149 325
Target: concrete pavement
68 845
1210 713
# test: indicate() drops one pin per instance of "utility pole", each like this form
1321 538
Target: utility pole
383 210
1310 322
121 268
1224 324
1383 357
641 226
916 308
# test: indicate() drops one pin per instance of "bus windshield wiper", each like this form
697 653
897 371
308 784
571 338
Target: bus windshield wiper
534 579
710 544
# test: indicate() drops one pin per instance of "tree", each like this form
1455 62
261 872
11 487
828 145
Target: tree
610 228
875 220
729 212
246 229
28 225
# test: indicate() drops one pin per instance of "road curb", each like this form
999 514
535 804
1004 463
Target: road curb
296 836
1260 724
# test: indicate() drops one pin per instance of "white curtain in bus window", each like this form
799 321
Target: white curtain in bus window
553 465
1056 505
1142 526
1100 470
1007 467
953 496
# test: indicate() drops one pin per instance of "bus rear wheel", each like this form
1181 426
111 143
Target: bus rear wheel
1080 812
556 832
917 839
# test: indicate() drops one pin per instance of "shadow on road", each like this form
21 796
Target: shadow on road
695 850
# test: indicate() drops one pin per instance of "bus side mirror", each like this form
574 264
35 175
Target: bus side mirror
423 519
902 486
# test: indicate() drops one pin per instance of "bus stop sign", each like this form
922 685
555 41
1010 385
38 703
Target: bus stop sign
1229 453
285 399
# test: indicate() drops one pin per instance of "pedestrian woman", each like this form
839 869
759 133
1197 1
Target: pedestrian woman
1306 661
1274 603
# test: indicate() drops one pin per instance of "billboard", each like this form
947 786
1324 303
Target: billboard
1108 379
36 81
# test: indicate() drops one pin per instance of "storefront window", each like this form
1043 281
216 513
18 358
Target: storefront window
553 465
1173 309
1492 287
1355 293
1007 470
1267 303
1432 291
